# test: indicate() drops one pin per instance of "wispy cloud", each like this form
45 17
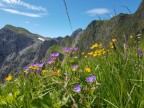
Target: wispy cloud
21 13
1 4
97 11
14 6
27 22
21 3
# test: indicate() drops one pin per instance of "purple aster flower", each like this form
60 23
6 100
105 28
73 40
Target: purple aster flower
140 53
38 71
68 49
26 68
53 55
74 68
50 61
75 49
91 79
40 64
77 88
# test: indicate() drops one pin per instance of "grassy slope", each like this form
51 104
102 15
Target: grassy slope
119 82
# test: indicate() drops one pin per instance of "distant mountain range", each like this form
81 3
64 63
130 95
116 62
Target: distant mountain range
19 47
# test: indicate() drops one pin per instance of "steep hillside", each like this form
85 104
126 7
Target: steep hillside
120 26
19 47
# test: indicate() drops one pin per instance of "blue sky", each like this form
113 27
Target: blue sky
48 17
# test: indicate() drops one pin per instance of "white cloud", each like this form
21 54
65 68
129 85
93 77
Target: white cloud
14 6
97 11
28 6
1 5
21 13
27 22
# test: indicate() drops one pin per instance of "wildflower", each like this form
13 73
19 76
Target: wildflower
85 56
94 46
88 69
77 88
82 53
90 53
74 68
140 53
38 71
112 46
114 40
30 67
91 79
26 68
58 72
50 61
100 45
104 52
40 64
44 71
91 47
94 54
8 78
68 49
75 49
54 55
131 37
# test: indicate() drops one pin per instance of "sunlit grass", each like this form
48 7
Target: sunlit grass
105 77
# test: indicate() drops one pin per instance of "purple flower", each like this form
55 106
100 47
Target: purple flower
50 61
74 68
75 49
91 79
140 53
26 68
68 49
38 71
40 64
77 88
54 55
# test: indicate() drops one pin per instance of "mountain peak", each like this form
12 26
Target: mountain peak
17 29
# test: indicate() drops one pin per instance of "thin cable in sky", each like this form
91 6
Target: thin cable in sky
68 15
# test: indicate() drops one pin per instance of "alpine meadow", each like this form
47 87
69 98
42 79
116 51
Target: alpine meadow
101 66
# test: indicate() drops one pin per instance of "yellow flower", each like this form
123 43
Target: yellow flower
95 45
58 72
94 54
131 37
25 71
8 78
88 69
82 53
90 53
114 40
30 67
104 52
85 56
44 71
91 47
112 46
100 45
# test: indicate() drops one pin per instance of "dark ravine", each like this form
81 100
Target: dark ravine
19 47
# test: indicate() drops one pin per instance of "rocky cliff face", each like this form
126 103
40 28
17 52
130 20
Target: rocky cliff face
19 47
11 42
